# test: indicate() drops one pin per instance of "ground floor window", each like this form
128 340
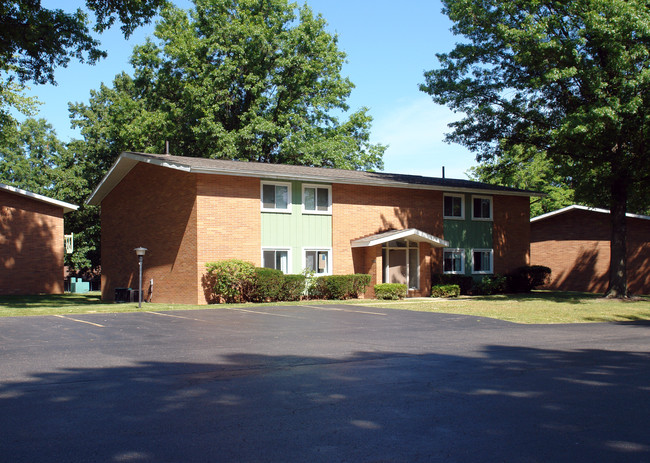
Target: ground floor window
318 261
482 261
276 258
401 260
454 261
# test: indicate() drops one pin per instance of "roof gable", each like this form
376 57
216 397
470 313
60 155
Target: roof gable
67 207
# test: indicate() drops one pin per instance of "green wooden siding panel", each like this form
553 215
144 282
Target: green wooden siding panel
296 230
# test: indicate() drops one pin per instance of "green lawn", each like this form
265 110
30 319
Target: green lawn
537 307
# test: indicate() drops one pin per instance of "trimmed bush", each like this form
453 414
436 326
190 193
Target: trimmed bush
267 285
231 279
338 286
293 288
391 291
445 291
464 282
491 284
525 279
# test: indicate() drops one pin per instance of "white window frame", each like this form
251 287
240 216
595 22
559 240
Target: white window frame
484 219
318 249
278 248
462 206
483 272
460 251
289 201
329 198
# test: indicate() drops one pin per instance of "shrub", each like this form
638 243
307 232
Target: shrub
231 279
293 288
338 286
267 285
445 291
525 279
390 291
491 284
464 282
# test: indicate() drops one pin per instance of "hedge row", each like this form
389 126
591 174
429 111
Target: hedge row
239 281
521 280
391 291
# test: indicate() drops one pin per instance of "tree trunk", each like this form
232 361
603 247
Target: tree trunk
618 246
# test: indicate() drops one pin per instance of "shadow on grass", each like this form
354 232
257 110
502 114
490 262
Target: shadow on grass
50 300
566 297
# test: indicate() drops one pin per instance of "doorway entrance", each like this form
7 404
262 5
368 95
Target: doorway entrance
401 259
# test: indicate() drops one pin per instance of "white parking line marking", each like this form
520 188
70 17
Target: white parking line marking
79 321
260 313
174 316
341 310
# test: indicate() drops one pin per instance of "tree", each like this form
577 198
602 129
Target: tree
233 79
567 79
35 40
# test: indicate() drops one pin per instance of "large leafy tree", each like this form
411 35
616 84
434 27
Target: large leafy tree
233 79
569 79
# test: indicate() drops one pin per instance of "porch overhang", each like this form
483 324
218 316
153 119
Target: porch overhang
412 234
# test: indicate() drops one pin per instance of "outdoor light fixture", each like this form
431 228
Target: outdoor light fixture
140 252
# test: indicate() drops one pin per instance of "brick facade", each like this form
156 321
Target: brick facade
31 246
576 246
359 211
511 232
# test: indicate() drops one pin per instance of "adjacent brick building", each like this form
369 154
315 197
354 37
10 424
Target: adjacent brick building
31 242
575 243
398 228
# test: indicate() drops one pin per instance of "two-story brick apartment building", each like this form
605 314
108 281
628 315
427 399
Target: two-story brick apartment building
398 228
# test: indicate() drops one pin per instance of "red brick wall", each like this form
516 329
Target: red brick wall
511 232
359 211
576 246
229 221
154 207
31 246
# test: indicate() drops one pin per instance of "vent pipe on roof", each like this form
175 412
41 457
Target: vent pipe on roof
443 171
166 147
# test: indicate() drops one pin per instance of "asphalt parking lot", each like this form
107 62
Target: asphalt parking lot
320 384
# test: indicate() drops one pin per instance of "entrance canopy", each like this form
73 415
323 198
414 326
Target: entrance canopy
412 234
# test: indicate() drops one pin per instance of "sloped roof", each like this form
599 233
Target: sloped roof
67 207
576 207
128 160
413 234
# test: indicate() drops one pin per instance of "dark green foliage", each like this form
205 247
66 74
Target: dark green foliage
490 284
445 291
525 279
267 285
464 282
391 291
339 286
293 288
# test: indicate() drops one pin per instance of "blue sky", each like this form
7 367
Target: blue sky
388 44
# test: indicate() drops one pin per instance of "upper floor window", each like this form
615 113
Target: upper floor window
276 197
481 208
453 206
317 199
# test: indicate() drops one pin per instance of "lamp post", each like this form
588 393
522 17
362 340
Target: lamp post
140 252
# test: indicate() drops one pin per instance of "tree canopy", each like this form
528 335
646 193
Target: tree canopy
565 79
233 79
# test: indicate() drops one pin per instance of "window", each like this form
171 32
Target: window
453 261
482 261
317 199
276 197
454 206
276 258
318 261
481 208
